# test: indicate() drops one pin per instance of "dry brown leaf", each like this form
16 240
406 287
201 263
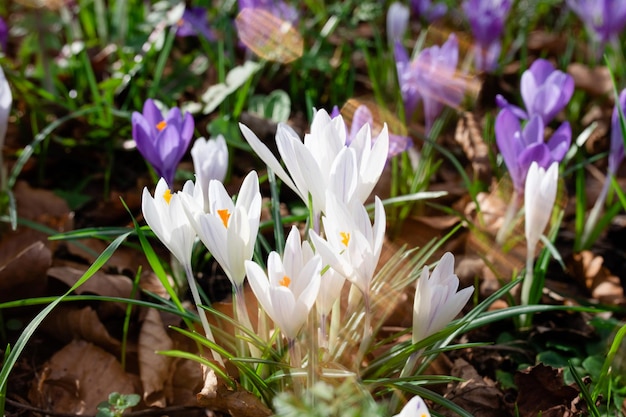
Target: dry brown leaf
77 378
185 383
477 395
148 281
101 283
470 137
154 369
124 259
541 391
589 270
236 403
23 270
44 207
66 323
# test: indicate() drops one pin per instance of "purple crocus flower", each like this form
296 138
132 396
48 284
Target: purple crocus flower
4 35
616 155
520 147
278 8
162 140
486 18
431 77
605 19
427 10
194 22
362 115
545 91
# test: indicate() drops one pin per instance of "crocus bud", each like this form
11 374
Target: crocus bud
539 198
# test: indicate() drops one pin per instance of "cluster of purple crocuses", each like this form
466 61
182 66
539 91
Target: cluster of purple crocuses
545 92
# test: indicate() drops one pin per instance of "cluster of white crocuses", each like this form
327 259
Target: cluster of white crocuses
334 179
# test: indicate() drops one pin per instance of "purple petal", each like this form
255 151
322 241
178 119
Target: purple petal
541 70
151 112
508 131
538 153
533 131
560 142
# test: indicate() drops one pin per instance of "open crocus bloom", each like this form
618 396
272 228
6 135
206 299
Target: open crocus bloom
352 246
545 91
605 19
166 217
486 18
324 160
289 290
520 148
162 140
228 230
437 301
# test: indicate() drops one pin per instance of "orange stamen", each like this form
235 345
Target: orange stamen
345 238
285 281
224 215
161 125
167 195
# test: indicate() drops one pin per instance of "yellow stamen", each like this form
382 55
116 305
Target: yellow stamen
167 195
345 238
161 125
224 215
285 281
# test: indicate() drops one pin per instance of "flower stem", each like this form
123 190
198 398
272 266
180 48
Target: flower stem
241 315
367 328
201 312
295 361
527 284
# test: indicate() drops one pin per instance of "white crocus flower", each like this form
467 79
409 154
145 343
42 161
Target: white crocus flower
165 215
437 301
229 230
6 99
210 162
310 162
352 245
539 197
416 407
289 289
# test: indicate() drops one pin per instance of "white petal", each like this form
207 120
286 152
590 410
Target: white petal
267 156
259 285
